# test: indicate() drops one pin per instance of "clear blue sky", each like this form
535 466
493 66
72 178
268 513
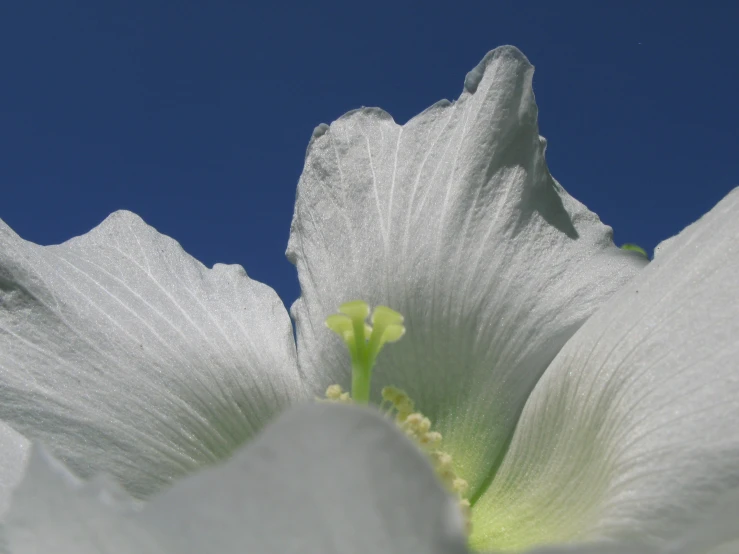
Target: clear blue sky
196 115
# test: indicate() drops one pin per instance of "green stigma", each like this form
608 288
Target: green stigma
634 248
365 341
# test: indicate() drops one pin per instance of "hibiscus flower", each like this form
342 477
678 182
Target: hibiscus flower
584 394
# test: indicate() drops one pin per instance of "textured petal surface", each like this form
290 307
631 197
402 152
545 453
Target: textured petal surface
716 533
126 356
632 431
52 512
13 455
323 479
453 220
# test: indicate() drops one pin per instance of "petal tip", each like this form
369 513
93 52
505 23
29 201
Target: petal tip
123 216
474 77
319 131
368 112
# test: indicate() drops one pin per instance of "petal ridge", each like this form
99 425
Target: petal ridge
453 220
125 355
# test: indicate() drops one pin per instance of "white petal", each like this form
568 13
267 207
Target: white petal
52 512
453 220
13 455
124 355
632 431
716 533
324 479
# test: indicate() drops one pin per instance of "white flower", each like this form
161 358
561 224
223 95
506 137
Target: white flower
124 356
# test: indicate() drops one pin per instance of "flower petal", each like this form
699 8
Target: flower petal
53 512
454 221
13 454
324 479
632 431
124 355
716 533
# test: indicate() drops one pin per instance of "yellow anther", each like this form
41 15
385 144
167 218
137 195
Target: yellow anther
416 425
400 403
442 460
460 486
418 428
415 420
334 393
403 414
430 439
364 343
391 394
404 404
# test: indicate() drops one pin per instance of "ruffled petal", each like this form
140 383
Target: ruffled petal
454 221
322 479
124 355
53 512
632 431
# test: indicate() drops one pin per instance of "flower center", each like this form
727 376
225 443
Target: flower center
365 342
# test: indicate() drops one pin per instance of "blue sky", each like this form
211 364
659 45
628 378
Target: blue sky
197 118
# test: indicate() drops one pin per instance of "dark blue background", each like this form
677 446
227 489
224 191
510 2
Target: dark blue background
196 115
